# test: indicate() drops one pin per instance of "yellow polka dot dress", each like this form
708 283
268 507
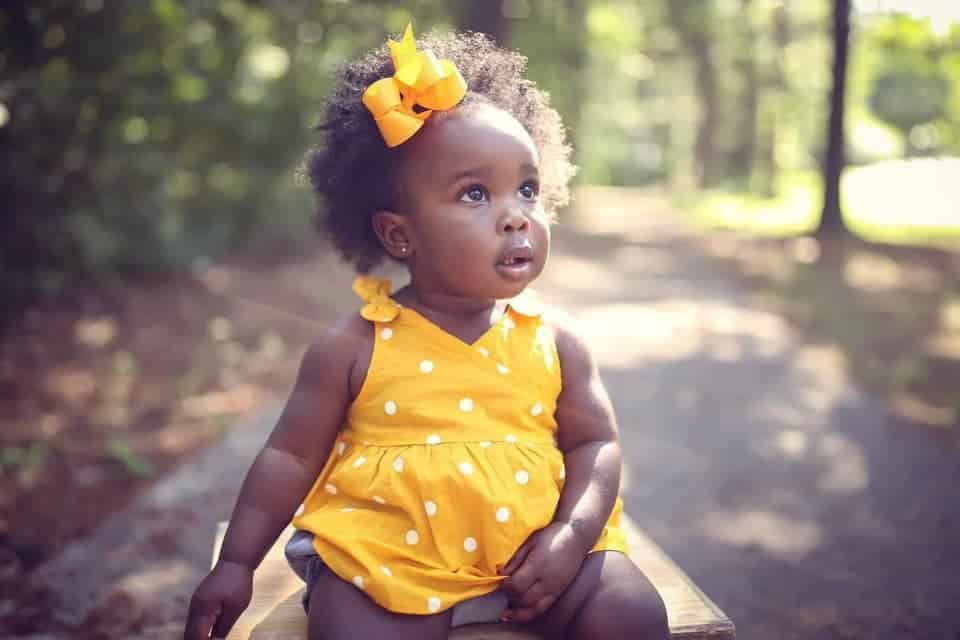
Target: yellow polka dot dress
447 460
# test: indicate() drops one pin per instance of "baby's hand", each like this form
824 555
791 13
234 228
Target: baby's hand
541 569
219 601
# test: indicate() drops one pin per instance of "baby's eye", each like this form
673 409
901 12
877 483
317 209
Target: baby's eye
476 193
529 190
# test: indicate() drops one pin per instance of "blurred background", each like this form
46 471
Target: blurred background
160 272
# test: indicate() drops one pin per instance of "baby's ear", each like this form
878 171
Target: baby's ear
391 228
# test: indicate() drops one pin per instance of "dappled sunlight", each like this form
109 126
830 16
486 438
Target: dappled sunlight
646 260
778 534
625 334
95 332
579 274
233 401
838 463
622 335
845 471
156 577
921 411
917 193
71 384
783 411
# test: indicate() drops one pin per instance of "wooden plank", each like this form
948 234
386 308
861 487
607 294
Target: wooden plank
275 613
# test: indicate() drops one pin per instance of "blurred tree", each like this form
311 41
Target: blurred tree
692 20
745 62
911 86
831 217
487 17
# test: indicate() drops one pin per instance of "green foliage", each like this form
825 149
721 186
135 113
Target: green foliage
147 136
144 137
911 84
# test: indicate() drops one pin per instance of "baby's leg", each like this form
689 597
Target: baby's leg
610 598
340 611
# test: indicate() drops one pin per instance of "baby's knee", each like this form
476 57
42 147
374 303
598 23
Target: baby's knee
626 613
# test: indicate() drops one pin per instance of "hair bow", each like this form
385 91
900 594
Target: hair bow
419 79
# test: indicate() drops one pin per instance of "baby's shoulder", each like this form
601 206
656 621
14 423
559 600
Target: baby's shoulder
342 341
570 337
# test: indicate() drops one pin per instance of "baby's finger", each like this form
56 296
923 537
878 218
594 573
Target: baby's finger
527 614
200 621
517 559
225 621
532 595
523 578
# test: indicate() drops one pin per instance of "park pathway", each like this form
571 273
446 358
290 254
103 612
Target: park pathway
789 496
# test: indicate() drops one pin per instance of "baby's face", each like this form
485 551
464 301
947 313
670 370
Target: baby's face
472 182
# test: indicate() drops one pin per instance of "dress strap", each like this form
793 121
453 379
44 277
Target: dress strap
375 292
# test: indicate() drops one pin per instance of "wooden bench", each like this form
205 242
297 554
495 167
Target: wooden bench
275 613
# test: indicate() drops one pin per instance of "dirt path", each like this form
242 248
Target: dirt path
790 497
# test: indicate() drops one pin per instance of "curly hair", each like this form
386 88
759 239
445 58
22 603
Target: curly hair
353 171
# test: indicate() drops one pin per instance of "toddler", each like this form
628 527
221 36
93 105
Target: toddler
448 454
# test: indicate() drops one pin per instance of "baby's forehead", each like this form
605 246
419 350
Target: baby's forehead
471 129
488 115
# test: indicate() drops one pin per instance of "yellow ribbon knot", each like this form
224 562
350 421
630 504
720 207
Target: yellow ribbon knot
375 292
419 79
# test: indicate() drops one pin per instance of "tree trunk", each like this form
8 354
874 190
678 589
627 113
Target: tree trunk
486 16
831 218
743 155
694 32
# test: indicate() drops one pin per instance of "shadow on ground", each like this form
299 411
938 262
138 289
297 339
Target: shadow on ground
797 502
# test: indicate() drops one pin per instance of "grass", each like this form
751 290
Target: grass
909 202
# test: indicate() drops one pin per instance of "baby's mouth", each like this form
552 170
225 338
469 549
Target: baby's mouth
516 256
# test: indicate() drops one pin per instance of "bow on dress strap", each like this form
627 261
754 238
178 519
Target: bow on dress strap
375 292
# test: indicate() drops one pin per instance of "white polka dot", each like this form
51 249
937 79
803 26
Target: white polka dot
426 366
485 444
502 369
359 462
412 537
347 509
484 352
390 407
341 447
430 507
511 438
433 439
503 514
329 488
543 333
470 544
386 334
466 405
358 580
299 510
386 571
433 604
563 472
536 409
508 322
522 477
379 500
466 468
398 465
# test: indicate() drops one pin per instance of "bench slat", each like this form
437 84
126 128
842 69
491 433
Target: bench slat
275 612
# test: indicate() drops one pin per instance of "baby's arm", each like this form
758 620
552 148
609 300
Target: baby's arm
282 474
587 435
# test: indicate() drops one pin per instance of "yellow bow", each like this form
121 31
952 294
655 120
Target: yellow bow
375 292
419 79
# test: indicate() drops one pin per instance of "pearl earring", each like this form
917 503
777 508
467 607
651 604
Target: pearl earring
403 249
